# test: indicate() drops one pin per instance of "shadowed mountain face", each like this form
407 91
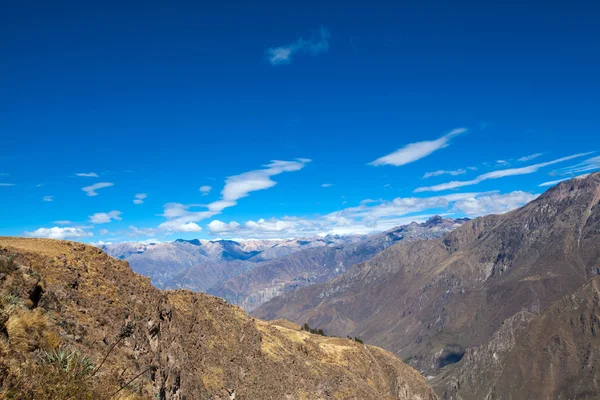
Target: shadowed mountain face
434 302
251 272
170 345
546 355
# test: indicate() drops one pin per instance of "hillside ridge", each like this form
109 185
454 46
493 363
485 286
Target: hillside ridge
185 345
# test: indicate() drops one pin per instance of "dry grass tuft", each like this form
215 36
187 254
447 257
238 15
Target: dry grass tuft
31 330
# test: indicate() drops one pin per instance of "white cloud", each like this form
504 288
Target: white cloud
139 198
530 157
205 189
217 226
62 222
100 243
47 198
178 226
495 175
588 165
135 232
415 151
91 190
493 204
455 172
552 183
373 216
59 233
104 232
240 186
326 185
87 174
7 184
236 187
272 225
104 218
316 45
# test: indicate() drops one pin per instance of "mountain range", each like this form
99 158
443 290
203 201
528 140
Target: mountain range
503 307
248 273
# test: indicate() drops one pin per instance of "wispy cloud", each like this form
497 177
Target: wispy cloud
415 151
47 198
104 218
180 216
496 175
317 44
455 172
91 190
205 190
59 233
588 165
87 174
552 183
7 184
62 222
137 232
493 203
326 185
139 198
530 157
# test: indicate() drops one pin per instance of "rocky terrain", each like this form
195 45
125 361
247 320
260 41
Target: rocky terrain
78 324
547 355
503 303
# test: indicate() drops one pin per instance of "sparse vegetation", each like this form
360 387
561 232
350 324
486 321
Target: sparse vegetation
307 328
115 337
34 365
7 265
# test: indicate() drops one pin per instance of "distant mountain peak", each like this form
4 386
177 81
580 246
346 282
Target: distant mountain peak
195 242
435 220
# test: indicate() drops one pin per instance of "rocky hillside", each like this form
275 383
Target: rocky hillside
321 264
547 355
78 324
432 302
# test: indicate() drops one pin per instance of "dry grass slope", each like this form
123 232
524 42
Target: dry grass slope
65 307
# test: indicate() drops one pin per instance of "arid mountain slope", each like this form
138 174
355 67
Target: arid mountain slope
317 265
547 355
58 294
430 300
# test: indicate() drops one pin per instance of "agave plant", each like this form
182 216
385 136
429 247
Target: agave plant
70 361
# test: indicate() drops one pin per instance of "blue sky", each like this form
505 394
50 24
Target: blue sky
294 118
